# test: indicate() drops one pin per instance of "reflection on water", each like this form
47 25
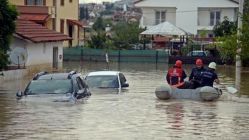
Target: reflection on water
135 113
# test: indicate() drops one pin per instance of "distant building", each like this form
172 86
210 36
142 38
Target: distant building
191 15
41 45
59 15
121 3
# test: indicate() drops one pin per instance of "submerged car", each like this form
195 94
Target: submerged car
198 53
58 86
106 79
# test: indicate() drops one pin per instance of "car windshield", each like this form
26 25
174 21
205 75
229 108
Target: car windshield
103 81
197 53
49 87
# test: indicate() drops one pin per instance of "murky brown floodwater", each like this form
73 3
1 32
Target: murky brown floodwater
133 114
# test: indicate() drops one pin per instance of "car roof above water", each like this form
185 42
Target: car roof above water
96 73
56 76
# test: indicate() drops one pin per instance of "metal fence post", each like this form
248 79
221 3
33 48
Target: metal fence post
119 55
156 57
81 53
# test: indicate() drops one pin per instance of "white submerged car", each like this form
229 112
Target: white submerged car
106 79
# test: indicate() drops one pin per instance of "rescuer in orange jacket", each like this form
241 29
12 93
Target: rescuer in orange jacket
176 75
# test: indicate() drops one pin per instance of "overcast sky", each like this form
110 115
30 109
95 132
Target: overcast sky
95 1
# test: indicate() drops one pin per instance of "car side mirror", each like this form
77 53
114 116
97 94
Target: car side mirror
125 85
19 94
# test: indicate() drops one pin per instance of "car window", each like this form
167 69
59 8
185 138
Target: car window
49 87
197 53
104 81
81 83
122 78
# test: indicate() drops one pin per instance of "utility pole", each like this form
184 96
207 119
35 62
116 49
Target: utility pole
238 59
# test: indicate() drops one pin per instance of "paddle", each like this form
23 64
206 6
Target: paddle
231 90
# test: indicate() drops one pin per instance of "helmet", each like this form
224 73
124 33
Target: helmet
198 62
178 63
212 65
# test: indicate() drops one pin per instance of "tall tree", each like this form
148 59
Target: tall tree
82 12
99 25
225 28
126 34
8 15
244 37
230 39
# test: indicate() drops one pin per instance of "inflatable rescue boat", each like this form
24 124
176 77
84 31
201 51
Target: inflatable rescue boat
206 93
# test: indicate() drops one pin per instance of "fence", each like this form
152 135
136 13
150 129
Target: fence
78 53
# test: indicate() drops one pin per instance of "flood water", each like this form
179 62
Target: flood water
134 114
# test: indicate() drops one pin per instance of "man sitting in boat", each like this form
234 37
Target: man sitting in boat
176 75
195 76
209 76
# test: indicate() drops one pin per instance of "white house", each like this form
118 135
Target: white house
34 44
191 15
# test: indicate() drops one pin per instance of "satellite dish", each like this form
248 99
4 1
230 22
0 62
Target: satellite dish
18 56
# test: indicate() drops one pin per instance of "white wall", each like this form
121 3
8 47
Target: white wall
149 15
204 15
39 53
185 13
186 16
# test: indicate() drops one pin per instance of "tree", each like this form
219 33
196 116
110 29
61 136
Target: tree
100 41
244 37
126 34
227 47
229 40
99 25
225 28
82 13
8 15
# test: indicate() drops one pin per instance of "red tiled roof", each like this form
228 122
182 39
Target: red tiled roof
35 17
37 33
74 22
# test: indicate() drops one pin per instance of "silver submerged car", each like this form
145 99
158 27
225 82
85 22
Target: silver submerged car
56 87
106 79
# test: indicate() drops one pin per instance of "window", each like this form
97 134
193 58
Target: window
122 78
81 83
35 2
160 17
70 1
62 2
214 17
62 26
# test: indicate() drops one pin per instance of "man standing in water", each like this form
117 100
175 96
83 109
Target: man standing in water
209 76
195 76
176 75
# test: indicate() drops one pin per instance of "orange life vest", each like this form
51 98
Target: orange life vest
175 76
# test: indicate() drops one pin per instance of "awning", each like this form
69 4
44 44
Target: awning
35 17
165 28
74 22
